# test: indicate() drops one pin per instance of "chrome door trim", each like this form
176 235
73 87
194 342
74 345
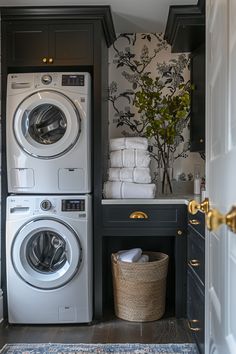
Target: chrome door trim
69 147
70 229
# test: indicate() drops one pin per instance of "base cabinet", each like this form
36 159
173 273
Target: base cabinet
196 278
195 310
162 230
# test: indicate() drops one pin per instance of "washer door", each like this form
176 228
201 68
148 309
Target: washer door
46 253
46 124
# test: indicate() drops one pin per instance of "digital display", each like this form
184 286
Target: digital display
72 80
73 205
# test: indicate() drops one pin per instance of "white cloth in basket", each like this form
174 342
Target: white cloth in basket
130 256
130 158
143 259
120 190
129 174
128 143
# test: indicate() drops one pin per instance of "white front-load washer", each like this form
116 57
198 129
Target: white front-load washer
49 259
48 119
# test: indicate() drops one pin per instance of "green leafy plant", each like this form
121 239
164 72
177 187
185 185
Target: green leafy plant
164 114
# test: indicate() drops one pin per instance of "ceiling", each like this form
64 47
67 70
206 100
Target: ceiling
128 15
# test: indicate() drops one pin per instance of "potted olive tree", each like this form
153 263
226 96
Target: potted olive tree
164 113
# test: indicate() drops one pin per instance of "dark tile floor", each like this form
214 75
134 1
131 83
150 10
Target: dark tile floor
111 330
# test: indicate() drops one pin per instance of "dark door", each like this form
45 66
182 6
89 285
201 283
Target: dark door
27 44
70 44
197 127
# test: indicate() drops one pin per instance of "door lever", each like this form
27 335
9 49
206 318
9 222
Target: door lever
214 219
194 207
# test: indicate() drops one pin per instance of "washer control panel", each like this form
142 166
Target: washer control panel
46 205
73 205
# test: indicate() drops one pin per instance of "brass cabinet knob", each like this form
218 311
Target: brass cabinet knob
138 215
201 141
194 263
45 60
50 60
194 222
194 207
214 219
193 325
179 232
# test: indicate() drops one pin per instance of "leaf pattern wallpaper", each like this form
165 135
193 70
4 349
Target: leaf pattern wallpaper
132 56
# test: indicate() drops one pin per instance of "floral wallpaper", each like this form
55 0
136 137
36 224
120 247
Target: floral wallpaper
133 56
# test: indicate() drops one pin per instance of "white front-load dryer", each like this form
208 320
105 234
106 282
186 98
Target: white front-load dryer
49 259
48 133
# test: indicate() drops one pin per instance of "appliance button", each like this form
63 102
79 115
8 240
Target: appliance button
46 79
45 205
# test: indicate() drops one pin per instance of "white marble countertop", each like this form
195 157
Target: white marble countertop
168 199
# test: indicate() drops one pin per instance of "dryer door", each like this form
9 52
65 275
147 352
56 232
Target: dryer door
46 253
47 124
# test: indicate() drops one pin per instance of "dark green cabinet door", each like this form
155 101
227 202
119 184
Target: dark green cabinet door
71 44
197 123
27 44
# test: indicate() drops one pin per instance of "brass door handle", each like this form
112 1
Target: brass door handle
138 215
44 60
50 60
214 219
194 263
194 207
194 222
191 323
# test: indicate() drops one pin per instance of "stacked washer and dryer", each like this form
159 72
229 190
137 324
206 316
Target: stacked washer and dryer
49 220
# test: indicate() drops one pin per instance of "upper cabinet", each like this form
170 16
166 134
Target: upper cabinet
185 32
185 28
197 126
60 36
44 43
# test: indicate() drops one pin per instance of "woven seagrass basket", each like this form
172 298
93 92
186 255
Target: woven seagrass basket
140 288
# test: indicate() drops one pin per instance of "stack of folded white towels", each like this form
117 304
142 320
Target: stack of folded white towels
132 256
129 173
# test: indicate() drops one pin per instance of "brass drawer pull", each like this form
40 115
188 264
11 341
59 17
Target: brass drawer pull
50 60
194 263
138 215
194 222
193 322
44 60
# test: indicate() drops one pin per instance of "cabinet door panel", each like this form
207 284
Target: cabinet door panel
196 254
195 310
197 127
27 44
197 222
71 44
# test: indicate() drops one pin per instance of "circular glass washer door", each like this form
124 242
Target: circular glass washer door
46 124
46 253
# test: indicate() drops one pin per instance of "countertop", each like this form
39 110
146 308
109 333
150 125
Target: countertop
168 199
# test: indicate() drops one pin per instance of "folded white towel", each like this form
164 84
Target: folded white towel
143 259
129 174
130 256
119 190
130 158
128 143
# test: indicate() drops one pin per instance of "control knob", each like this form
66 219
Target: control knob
45 205
46 79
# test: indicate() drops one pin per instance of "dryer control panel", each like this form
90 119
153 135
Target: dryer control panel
73 205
